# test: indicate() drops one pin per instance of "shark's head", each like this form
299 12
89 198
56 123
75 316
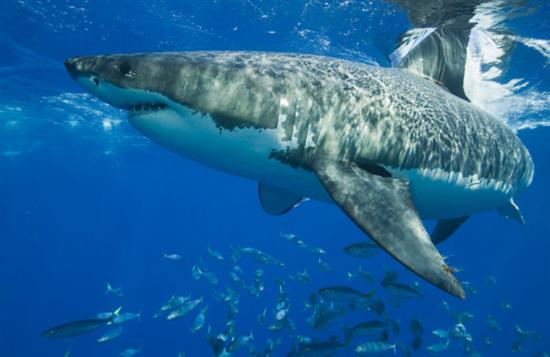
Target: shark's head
225 86
206 106
120 80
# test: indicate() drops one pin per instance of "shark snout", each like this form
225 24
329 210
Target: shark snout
113 80
80 67
71 66
83 66
82 70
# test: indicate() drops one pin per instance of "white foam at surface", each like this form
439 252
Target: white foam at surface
508 101
414 38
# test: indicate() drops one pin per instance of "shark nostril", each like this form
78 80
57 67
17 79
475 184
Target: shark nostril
70 65
69 62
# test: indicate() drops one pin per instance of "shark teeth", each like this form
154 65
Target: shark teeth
146 108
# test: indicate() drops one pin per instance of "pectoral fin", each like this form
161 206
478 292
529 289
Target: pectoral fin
277 201
382 207
445 228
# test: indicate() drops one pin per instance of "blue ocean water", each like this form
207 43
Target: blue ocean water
86 199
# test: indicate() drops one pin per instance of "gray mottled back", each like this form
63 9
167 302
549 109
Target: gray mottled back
347 110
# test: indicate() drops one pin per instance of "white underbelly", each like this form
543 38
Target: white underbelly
441 196
245 152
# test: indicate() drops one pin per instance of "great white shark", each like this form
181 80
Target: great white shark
387 146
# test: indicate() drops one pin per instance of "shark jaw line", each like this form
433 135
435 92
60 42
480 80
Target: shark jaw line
135 101
145 108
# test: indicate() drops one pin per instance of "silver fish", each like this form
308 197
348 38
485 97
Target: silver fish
374 347
130 352
260 320
532 335
313 347
403 291
317 250
111 335
441 333
505 305
365 275
109 314
390 276
458 331
323 317
124 317
76 328
200 320
464 317
324 265
199 272
240 342
110 290
184 309
344 294
301 277
491 323
172 257
362 249
438 347
369 328
214 254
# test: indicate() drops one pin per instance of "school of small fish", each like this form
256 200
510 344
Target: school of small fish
375 332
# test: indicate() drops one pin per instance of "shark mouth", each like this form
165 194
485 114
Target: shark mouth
146 108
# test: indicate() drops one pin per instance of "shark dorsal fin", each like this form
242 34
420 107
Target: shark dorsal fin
438 54
437 44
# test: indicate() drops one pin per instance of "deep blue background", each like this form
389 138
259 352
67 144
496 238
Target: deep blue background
84 199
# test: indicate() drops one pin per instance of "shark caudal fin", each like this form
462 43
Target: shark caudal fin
382 207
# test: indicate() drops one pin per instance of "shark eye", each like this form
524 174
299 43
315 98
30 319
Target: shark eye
125 68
